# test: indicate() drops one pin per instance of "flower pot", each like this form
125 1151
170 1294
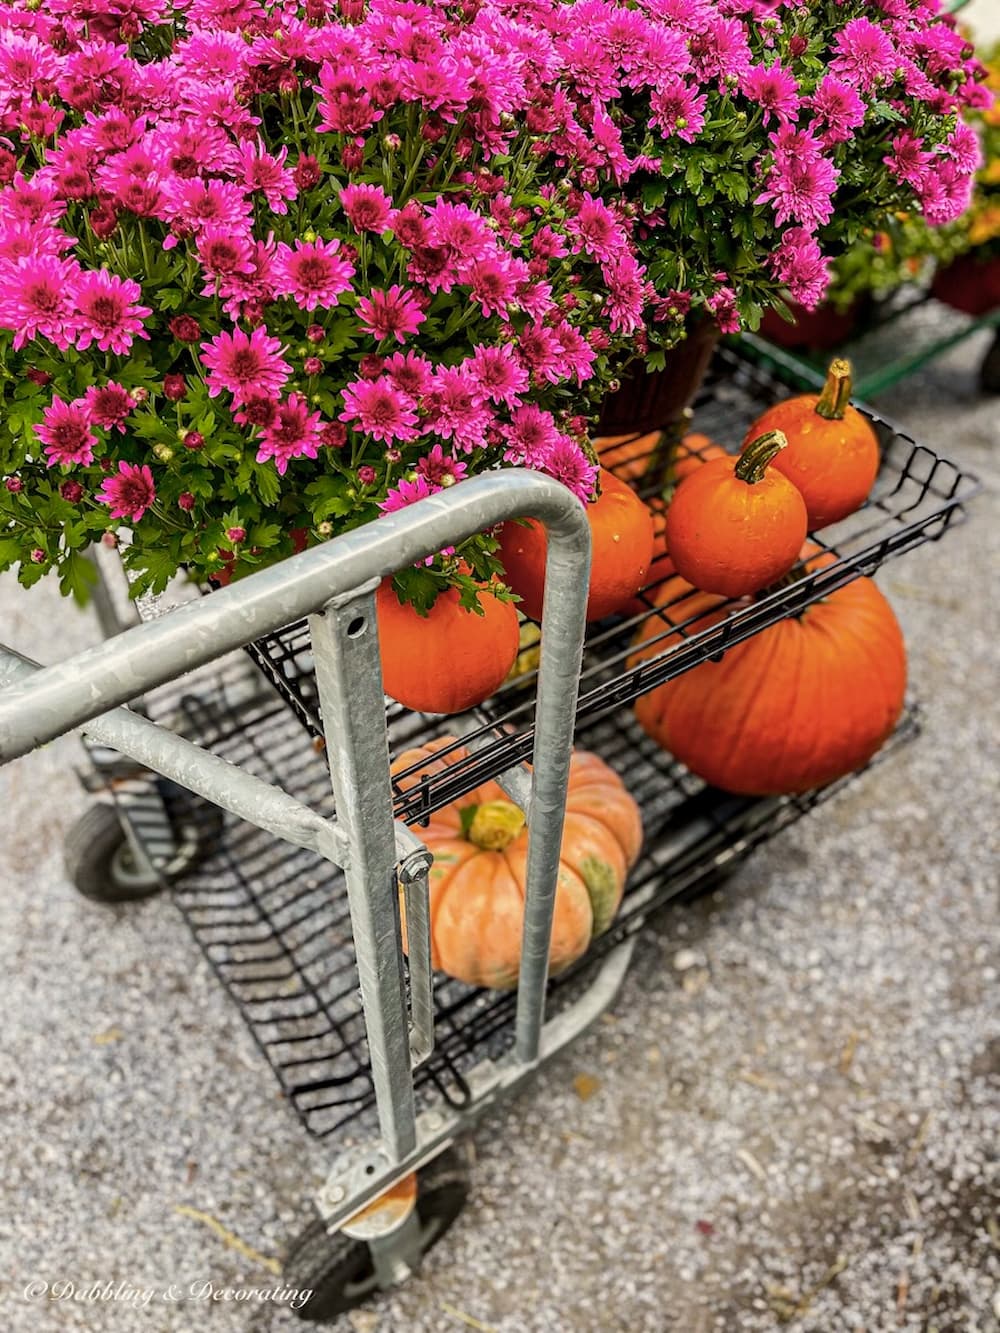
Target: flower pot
649 400
969 283
818 330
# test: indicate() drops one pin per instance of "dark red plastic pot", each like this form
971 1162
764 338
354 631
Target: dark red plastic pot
820 329
970 283
649 400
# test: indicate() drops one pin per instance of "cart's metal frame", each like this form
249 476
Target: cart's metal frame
334 585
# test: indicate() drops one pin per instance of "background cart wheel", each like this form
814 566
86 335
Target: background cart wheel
99 860
340 1272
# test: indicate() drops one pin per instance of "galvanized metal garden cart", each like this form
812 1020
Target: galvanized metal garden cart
220 779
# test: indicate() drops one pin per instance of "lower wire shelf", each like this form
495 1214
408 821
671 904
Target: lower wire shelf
273 919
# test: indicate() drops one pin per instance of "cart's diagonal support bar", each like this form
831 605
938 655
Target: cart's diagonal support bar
202 772
57 699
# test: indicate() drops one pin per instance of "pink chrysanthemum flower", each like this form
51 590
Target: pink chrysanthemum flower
66 434
596 230
459 230
223 253
838 110
247 366
567 462
379 409
801 186
198 204
530 436
390 314
678 109
627 291
312 273
410 372
130 493
440 469
456 409
723 306
946 193
36 299
800 265
493 284
775 91
501 377
263 173
108 313
864 54
909 161
109 405
406 493
578 356
294 433
368 207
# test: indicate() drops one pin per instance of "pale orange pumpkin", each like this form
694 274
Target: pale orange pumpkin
480 847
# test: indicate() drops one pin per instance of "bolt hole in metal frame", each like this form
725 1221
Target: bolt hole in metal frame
336 584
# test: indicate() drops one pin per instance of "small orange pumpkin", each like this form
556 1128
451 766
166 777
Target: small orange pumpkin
733 526
449 660
621 534
477 881
796 706
833 453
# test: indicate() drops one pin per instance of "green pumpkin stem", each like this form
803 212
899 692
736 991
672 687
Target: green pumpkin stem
836 395
753 461
493 825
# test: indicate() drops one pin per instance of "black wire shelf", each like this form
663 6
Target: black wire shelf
273 919
916 497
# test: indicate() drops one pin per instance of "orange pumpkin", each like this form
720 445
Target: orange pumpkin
833 453
621 534
477 881
449 660
798 705
733 525
661 566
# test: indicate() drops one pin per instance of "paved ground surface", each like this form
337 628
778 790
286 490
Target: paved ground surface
794 1130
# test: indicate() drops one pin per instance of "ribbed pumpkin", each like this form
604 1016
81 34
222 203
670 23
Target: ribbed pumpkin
833 453
621 535
735 525
480 847
800 704
449 660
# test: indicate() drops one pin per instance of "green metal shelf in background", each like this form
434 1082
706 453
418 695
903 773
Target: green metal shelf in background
909 332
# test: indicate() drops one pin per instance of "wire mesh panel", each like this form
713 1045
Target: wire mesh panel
916 496
273 919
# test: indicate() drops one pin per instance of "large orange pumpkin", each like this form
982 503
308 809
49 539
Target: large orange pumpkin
449 660
800 704
621 535
833 454
477 882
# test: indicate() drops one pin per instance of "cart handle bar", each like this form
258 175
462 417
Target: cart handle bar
61 697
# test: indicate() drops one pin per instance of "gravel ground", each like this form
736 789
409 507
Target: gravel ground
788 1115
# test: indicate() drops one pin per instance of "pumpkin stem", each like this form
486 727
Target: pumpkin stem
833 401
494 825
752 462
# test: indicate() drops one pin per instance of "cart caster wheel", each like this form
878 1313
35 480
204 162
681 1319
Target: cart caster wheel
339 1271
989 371
99 860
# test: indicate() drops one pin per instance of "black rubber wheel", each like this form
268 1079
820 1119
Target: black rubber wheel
989 371
99 860
339 1271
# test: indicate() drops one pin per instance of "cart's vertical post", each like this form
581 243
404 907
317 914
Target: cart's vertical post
349 677
567 578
